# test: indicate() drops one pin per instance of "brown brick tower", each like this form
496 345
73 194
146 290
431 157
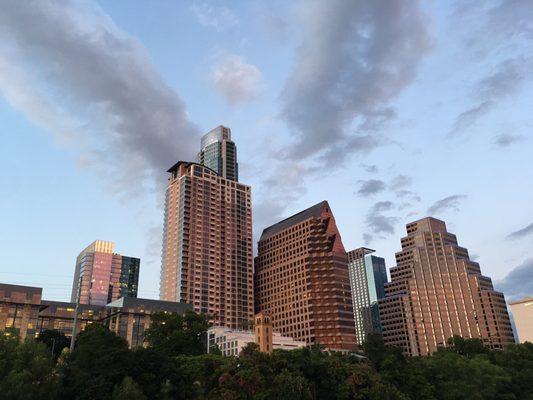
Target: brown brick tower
437 292
207 244
301 279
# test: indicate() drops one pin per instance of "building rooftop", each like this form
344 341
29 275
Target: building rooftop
311 212
524 300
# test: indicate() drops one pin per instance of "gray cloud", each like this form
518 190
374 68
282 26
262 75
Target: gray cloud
446 204
408 194
70 69
377 223
355 58
370 187
236 80
518 283
507 139
400 182
521 233
371 169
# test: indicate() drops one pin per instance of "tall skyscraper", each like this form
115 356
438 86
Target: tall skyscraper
437 292
301 279
523 318
368 276
219 153
102 276
207 256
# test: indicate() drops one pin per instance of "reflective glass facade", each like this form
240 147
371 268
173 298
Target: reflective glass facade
219 153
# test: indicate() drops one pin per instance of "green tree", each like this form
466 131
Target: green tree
100 361
175 334
289 385
128 390
55 340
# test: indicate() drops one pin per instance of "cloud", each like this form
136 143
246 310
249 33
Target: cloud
236 80
219 18
400 182
377 223
370 187
507 139
408 194
446 204
518 283
70 69
356 57
371 169
469 117
521 233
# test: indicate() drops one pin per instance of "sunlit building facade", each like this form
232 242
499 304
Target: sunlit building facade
102 276
207 245
219 153
302 282
523 318
19 309
437 292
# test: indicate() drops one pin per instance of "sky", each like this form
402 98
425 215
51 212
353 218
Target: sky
392 110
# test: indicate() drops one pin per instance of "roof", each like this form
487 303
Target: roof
151 305
311 212
188 163
524 300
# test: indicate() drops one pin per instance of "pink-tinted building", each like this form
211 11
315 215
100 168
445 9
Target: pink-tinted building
102 276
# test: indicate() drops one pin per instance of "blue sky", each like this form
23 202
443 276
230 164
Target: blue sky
390 110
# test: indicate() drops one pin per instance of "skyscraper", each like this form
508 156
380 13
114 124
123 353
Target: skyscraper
368 276
301 279
207 244
102 276
437 292
219 153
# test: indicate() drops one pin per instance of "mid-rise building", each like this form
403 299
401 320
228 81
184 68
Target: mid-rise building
231 341
437 292
523 318
301 279
368 276
19 309
207 258
23 310
219 153
102 276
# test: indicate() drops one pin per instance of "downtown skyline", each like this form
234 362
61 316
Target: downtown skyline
457 149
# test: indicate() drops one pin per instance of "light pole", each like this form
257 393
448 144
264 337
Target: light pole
75 323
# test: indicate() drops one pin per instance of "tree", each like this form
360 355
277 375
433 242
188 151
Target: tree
128 390
175 334
290 385
100 361
55 340
467 347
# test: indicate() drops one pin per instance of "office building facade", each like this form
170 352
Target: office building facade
219 153
437 292
523 318
301 279
19 309
368 276
207 258
102 276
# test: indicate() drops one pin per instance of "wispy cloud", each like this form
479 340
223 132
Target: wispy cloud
450 203
70 69
235 79
507 139
377 223
211 16
521 233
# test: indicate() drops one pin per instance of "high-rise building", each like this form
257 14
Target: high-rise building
207 256
102 276
301 279
523 318
219 153
368 276
437 292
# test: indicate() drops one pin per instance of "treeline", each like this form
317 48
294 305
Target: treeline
173 366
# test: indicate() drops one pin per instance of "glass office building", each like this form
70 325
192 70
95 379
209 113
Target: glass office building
368 276
219 153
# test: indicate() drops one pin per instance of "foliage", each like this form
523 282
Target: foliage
173 366
55 340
